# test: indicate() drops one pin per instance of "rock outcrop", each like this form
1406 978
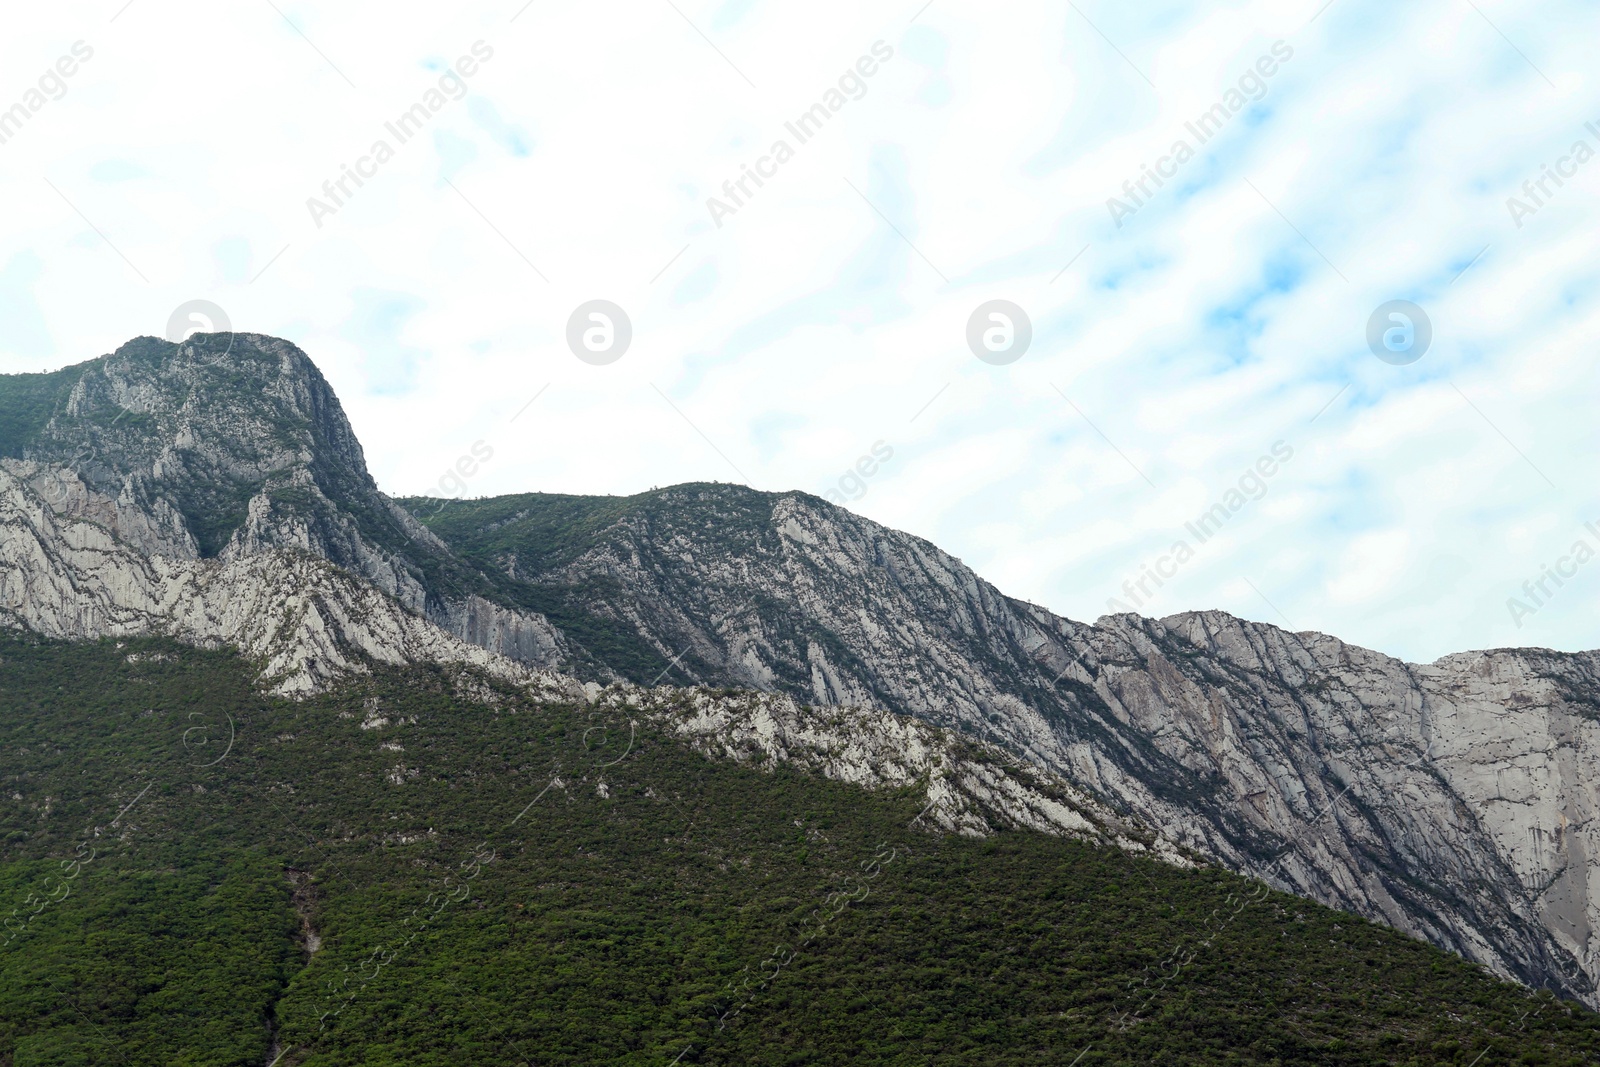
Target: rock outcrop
96 568
968 787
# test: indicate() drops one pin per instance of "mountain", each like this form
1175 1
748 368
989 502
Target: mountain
1455 800
225 501
427 865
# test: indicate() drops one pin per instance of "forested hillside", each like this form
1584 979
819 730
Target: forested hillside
423 867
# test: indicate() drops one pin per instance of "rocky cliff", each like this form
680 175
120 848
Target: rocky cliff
225 500
77 564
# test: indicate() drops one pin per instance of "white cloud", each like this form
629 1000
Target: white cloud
806 328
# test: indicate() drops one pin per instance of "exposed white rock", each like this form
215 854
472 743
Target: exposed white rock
969 787
304 620
182 455
518 636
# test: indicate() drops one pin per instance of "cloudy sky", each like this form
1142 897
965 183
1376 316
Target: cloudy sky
1351 154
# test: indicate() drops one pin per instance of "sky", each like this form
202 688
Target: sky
1213 409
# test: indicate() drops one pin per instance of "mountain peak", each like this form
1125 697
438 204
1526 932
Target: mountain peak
206 426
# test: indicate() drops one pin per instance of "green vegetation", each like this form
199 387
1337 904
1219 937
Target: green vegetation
26 403
517 543
180 962
544 530
534 884
524 545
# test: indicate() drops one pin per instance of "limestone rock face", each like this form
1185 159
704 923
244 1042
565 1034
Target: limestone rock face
1453 801
968 787
306 621
517 636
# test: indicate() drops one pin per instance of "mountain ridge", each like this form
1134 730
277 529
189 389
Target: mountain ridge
1452 800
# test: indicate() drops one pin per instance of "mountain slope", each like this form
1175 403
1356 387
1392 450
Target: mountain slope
1455 801
427 866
